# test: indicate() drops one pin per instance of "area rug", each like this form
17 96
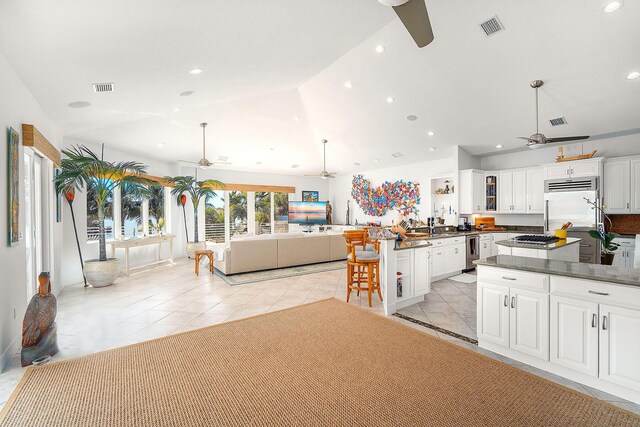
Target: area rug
464 278
322 364
280 273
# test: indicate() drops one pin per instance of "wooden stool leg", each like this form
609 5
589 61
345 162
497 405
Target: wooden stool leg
378 280
197 258
349 280
369 281
211 263
359 270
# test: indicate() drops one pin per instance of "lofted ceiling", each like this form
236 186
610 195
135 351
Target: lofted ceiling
274 74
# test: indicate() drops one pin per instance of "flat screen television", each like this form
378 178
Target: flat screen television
307 213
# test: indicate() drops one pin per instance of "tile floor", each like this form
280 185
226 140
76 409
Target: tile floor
170 299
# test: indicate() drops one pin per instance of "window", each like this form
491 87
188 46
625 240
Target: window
214 217
237 212
263 213
281 212
156 209
93 227
130 211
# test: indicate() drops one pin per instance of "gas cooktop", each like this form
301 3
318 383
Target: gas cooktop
536 239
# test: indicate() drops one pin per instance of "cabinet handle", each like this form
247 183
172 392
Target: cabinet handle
568 173
456 250
513 302
598 293
604 323
594 321
508 278
627 205
506 300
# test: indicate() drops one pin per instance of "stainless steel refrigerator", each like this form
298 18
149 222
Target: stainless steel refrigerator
566 200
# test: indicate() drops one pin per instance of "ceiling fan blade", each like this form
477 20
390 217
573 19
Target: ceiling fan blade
188 161
415 18
221 163
567 138
522 137
315 174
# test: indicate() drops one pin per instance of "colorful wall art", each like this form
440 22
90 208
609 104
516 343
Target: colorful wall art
377 201
13 178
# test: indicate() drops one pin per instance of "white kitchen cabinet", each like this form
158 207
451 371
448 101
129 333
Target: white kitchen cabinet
485 248
574 334
471 191
535 191
620 346
493 313
529 322
454 258
575 169
405 265
496 238
512 188
617 186
635 186
625 253
437 261
421 275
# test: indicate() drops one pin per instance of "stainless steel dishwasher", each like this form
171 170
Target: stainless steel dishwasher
473 251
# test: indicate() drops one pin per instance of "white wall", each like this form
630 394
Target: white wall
18 106
71 271
422 173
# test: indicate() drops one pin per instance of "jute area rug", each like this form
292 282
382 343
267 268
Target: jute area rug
321 364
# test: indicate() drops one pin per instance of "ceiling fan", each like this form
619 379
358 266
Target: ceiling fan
324 174
204 163
539 140
414 16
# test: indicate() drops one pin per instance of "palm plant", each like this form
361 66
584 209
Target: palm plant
82 168
196 190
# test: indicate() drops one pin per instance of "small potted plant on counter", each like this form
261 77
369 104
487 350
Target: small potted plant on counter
608 245
197 190
82 168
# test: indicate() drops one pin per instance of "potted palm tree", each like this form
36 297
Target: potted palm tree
196 190
83 169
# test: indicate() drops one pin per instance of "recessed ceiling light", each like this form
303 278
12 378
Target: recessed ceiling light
633 75
433 148
80 104
186 93
499 146
196 71
177 109
412 117
430 133
258 163
379 48
296 118
161 144
294 166
376 160
348 85
390 100
613 6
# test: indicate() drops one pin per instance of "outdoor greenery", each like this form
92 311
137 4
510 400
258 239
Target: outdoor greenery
83 169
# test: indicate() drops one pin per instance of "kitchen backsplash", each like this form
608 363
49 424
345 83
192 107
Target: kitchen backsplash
625 224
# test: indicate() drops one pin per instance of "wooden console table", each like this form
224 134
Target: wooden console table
133 243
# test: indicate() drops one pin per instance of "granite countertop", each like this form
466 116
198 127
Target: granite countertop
411 244
578 270
512 243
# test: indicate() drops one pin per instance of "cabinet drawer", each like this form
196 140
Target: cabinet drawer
514 278
437 242
604 293
455 240
485 237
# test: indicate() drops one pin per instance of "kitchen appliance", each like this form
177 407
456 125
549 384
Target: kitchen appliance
464 224
487 224
565 200
473 251
536 239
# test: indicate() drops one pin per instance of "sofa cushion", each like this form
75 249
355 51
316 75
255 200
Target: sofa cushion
251 255
302 250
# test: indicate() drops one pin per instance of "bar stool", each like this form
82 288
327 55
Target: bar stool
362 265
201 254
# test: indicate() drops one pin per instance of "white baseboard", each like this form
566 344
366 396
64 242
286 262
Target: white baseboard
12 350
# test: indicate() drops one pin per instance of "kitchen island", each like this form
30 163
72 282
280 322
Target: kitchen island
580 321
562 250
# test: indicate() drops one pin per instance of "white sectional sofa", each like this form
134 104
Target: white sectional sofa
271 251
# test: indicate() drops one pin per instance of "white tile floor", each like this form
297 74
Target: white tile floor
171 299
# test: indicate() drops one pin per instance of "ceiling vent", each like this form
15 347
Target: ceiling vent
103 87
396 155
559 121
492 26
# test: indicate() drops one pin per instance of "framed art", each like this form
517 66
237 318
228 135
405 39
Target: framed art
310 196
13 178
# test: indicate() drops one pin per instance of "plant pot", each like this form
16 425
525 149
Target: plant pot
192 247
606 259
101 273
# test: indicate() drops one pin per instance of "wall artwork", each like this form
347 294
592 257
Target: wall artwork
377 201
13 178
310 196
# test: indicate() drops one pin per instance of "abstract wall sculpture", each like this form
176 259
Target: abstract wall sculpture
377 201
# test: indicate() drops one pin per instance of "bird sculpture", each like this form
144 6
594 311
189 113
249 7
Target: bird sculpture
39 338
